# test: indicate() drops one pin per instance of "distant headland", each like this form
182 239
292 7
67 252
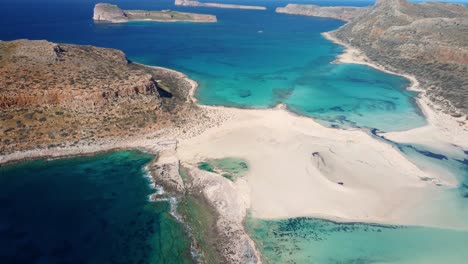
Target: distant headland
112 13
345 13
218 5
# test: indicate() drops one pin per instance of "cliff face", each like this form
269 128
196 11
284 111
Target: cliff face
108 12
338 12
53 93
113 14
428 40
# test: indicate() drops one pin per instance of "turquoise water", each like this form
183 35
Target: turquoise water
252 59
86 210
306 240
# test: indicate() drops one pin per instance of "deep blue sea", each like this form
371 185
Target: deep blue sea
86 210
95 209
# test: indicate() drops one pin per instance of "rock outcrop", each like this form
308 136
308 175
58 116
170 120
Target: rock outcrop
112 13
216 5
52 93
427 40
346 13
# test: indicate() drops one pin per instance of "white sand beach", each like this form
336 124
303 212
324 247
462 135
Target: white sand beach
442 130
301 168
297 165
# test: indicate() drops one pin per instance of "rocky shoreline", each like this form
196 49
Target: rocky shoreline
227 201
424 40
453 128
233 244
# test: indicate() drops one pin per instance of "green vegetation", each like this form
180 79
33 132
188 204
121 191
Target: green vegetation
229 168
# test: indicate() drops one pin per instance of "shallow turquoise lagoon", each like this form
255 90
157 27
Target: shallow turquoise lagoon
251 59
306 240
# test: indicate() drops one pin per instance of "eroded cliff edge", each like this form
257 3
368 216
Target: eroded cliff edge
59 94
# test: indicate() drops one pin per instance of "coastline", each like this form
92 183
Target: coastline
240 125
441 129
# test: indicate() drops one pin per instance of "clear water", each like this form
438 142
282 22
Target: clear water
306 240
86 210
249 59
252 59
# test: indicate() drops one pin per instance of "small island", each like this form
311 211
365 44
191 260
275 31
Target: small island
217 5
346 13
112 13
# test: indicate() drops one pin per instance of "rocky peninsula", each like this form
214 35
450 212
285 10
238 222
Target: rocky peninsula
216 5
112 13
65 100
345 13
60 95
62 99
425 40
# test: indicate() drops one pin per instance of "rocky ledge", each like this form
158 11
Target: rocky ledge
112 13
346 13
53 94
216 5
211 206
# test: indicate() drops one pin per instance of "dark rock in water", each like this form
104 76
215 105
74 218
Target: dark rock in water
283 93
337 109
245 93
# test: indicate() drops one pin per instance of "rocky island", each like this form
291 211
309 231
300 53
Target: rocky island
345 13
216 5
112 13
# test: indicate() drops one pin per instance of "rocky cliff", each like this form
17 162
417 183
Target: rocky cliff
113 14
345 13
52 93
427 40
